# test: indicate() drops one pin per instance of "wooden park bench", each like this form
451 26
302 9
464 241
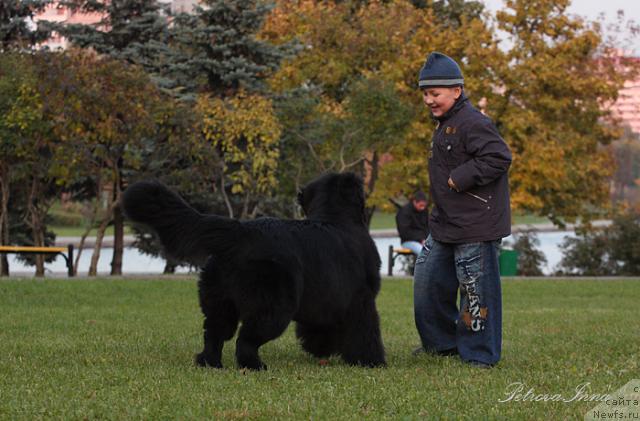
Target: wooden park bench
44 250
394 253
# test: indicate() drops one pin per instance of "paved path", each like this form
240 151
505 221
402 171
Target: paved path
549 227
90 242
380 233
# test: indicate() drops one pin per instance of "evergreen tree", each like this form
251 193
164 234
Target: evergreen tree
134 31
16 31
216 50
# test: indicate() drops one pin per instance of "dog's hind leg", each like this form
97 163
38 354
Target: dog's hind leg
220 324
362 342
255 332
270 296
318 341
220 317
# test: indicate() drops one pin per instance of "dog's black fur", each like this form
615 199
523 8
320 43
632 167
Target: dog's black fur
322 272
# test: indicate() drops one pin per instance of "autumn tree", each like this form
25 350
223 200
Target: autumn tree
245 131
135 32
15 79
377 48
10 82
17 34
557 79
28 144
452 12
109 109
547 89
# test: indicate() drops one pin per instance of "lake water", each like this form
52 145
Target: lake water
135 262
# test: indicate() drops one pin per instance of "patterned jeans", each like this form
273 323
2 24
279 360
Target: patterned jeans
414 246
474 327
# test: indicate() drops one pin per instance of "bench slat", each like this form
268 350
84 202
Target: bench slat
27 249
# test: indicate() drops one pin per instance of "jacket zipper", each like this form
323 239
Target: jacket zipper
477 197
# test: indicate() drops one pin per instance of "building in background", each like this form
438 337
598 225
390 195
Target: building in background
627 107
54 12
183 6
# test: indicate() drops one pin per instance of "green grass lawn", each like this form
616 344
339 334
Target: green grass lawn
123 349
383 220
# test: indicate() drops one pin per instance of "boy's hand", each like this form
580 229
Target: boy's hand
453 185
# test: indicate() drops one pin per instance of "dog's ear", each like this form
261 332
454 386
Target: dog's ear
352 188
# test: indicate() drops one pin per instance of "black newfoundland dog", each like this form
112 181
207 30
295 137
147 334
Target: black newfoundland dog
322 272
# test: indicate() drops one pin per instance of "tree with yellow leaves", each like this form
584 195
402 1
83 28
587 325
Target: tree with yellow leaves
246 133
546 91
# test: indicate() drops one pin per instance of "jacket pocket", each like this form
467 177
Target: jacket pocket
426 250
453 151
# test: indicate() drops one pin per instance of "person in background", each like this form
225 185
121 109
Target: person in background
412 221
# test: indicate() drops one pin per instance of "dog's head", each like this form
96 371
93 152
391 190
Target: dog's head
335 197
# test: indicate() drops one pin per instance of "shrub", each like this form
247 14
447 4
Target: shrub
530 259
612 251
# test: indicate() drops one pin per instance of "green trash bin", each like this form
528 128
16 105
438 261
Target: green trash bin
508 262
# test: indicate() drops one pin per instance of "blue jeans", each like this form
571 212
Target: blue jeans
414 246
474 328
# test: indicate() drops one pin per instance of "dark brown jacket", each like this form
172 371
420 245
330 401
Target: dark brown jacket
467 147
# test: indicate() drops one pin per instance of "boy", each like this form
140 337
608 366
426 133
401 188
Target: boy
468 164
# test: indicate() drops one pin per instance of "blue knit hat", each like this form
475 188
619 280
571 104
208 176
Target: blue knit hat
440 70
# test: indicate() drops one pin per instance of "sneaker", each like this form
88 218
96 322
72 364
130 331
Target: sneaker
419 350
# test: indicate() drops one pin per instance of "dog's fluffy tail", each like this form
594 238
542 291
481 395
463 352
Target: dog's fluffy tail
185 234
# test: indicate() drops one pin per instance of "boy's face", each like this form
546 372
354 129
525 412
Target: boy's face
440 100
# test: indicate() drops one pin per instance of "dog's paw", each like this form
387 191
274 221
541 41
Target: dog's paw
254 366
202 360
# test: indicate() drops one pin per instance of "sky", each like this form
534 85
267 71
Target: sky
591 9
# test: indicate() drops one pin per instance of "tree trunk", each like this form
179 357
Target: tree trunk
38 241
35 218
169 267
97 248
93 268
85 234
373 174
4 265
227 202
118 241
4 218
83 239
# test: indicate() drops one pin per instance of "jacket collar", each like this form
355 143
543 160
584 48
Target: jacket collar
460 102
